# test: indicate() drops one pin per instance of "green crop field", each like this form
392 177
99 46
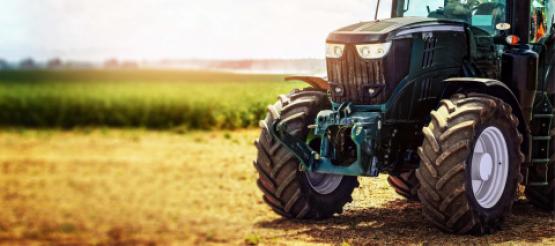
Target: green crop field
156 99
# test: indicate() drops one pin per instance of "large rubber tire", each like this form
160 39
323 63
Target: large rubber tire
543 197
444 174
405 184
285 188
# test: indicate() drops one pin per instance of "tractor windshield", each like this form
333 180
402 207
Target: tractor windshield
484 14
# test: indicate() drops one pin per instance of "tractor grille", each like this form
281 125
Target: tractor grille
352 78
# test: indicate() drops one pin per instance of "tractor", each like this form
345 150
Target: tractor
452 99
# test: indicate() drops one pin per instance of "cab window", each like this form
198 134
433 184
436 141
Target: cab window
543 15
484 14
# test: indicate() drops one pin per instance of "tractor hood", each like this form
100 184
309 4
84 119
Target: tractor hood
384 30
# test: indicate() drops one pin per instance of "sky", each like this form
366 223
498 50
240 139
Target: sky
95 30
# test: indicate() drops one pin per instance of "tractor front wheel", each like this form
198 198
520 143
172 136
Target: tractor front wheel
470 162
287 190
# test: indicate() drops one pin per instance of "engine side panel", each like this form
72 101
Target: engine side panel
436 57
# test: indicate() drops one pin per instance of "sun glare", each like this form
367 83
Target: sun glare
173 29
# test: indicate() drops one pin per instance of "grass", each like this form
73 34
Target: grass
138 187
156 99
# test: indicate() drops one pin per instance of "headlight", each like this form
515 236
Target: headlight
334 50
373 51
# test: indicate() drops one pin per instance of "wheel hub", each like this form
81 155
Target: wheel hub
490 167
486 165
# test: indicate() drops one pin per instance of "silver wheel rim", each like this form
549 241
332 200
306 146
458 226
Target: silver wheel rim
490 167
323 183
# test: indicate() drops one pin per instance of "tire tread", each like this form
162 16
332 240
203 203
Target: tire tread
441 191
279 177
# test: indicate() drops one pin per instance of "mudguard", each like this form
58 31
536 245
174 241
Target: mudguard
486 86
314 81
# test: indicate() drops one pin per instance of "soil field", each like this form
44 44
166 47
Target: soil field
147 187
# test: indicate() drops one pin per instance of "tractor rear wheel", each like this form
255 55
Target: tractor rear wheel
470 162
287 190
405 184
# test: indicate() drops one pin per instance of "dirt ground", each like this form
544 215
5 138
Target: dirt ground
144 187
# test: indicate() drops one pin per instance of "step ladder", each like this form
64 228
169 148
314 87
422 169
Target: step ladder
540 141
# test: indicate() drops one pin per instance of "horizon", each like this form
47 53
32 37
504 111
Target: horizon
152 30
176 60
313 66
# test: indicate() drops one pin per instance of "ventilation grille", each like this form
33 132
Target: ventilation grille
353 78
430 44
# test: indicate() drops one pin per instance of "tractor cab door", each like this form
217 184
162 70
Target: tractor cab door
542 39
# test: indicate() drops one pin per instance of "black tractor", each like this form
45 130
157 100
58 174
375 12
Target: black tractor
453 99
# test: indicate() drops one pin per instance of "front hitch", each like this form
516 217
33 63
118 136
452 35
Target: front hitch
364 129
